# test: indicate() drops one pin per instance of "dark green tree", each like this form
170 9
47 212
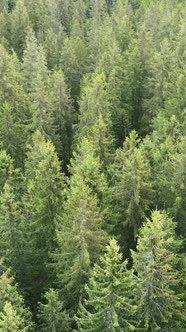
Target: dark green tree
14 108
61 108
131 192
42 201
73 63
19 27
35 75
10 216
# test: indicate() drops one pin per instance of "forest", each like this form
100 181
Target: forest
92 165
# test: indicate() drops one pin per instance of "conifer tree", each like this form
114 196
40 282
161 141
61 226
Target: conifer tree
3 5
109 305
14 108
53 44
19 27
10 216
131 194
6 168
42 200
65 10
87 166
11 302
10 321
94 118
35 75
73 63
51 315
159 305
80 239
61 108
5 26
99 33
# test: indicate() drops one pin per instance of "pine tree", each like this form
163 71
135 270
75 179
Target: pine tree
109 305
14 108
53 44
51 315
19 27
42 201
80 239
99 33
10 321
11 302
35 75
131 193
86 165
159 305
65 10
94 119
6 168
61 108
3 5
5 26
10 216
73 63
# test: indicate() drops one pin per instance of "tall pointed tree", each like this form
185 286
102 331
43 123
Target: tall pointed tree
108 305
10 216
19 27
42 200
12 309
159 305
131 193
95 119
61 108
35 75
14 108
80 239
10 321
52 316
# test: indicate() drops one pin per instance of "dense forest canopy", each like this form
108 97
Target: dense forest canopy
92 165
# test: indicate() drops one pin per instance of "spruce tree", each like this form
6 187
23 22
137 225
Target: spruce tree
95 118
11 302
131 192
19 27
10 321
10 216
159 305
52 317
80 239
73 63
60 106
14 113
42 201
108 305
35 74
86 164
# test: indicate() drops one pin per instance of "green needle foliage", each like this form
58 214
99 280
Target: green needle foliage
159 305
51 315
95 89
108 305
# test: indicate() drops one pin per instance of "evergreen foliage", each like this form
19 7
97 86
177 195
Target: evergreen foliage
157 277
95 89
108 306
51 314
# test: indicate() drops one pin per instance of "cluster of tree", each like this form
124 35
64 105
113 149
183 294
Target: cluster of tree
92 165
